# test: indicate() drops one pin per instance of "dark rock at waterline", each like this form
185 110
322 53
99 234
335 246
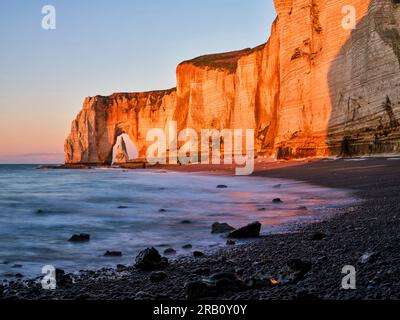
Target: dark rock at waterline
158 276
186 222
169 252
250 231
198 254
122 268
19 275
187 246
39 211
17 266
277 200
122 207
150 259
113 254
262 209
222 186
221 228
162 210
83 237
200 289
294 270
230 242
318 236
63 279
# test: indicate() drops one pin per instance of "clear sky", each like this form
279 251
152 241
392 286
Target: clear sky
101 47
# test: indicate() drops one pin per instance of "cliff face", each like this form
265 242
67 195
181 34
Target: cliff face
313 89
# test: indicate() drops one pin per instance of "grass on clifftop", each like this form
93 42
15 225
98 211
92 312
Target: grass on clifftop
227 61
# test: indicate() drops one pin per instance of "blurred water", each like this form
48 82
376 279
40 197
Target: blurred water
40 210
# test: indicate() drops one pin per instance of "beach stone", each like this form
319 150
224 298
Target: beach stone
158 276
277 200
221 228
187 246
230 242
170 251
83 237
368 257
113 254
200 289
143 295
222 186
150 259
250 231
198 254
294 270
318 236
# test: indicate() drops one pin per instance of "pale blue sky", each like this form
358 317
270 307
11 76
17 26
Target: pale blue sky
101 47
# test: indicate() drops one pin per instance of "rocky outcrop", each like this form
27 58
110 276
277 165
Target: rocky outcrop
121 155
314 89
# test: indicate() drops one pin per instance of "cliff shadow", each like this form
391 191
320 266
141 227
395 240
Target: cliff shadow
364 83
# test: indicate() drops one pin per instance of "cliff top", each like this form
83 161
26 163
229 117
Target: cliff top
227 60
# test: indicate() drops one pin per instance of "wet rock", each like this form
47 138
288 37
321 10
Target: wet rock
17 266
122 207
200 289
150 259
122 268
277 200
318 236
83 237
278 186
19 275
113 254
198 254
162 210
202 271
230 242
158 276
262 209
39 211
187 246
169 252
222 186
221 228
250 231
186 222
63 279
294 271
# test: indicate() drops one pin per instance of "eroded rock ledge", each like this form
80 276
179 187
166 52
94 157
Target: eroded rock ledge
313 89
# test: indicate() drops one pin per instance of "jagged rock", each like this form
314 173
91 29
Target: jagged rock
221 228
83 237
150 259
250 231
121 155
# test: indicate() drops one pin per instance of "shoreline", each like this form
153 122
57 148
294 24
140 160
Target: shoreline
369 230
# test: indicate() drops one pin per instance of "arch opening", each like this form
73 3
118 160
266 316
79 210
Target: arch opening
124 150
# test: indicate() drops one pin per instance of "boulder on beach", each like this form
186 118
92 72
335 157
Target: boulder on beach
294 271
222 186
198 254
250 231
187 246
221 228
277 200
158 276
150 259
83 237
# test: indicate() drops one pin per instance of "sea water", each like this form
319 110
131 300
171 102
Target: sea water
129 211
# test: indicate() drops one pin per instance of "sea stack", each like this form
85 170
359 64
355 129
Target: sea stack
121 156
